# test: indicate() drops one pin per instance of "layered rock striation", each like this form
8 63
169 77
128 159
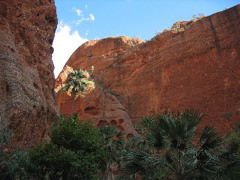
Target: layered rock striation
196 67
27 103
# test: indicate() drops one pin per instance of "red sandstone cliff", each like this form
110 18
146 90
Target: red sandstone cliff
195 68
26 70
101 105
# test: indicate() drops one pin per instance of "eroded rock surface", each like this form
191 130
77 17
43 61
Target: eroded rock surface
27 102
196 67
101 105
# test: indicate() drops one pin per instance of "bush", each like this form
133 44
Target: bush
76 151
12 164
169 148
234 136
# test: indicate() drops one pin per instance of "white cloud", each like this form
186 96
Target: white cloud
65 43
79 12
91 17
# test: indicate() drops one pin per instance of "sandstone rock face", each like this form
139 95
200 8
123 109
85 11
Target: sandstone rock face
27 103
101 105
196 68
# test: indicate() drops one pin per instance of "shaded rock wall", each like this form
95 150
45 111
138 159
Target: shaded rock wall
26 69
197 68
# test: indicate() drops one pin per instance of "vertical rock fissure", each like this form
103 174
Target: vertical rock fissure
216 38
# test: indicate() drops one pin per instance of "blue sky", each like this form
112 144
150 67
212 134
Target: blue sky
82 20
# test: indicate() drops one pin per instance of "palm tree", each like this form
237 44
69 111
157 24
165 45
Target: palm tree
78 82
180 153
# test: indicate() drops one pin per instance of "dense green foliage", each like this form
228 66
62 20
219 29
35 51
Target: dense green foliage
115 144
169 147
233 137
78 82
76 151
176 152
12 164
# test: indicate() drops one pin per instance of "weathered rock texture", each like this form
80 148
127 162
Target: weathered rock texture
195 68
101 105
27 102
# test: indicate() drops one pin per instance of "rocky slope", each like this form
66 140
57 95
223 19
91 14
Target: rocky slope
27 102
195 66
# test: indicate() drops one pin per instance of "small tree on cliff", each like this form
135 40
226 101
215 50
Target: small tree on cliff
78 83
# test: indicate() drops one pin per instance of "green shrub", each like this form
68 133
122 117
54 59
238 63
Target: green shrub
234 136
76 151
169 148
114 144
12 163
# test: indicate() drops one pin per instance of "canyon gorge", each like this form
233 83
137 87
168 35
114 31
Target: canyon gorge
194 65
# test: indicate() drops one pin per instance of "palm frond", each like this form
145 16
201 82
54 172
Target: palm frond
231 170
78 82
167 123
108 132
134 162
209 138
148 122
142 162
191 118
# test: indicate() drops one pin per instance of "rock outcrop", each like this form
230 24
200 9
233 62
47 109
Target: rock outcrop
196 67
27 104
101 105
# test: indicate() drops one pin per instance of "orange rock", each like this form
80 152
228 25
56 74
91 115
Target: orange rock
197 68
27 103
101 105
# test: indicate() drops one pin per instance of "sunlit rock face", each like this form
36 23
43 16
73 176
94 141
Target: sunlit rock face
100 105
194 67
27 103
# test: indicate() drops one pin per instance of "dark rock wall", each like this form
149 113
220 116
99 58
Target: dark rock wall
27 102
